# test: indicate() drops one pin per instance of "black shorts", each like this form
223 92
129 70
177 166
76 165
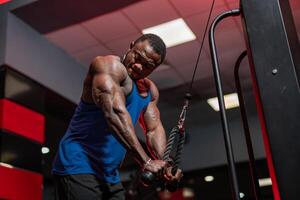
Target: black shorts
86 187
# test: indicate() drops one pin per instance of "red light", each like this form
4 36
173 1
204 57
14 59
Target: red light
21 120
20 184
3 1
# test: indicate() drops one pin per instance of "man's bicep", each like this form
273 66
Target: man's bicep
107 94
107 75
102 87
150 118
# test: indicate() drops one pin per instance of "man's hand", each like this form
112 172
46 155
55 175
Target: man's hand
169 177
155 166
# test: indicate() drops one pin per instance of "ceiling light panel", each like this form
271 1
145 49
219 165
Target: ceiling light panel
173 33
231 101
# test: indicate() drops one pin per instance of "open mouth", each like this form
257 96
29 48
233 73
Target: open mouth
133 71
137 73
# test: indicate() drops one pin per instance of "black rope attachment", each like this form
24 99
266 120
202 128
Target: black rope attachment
178 132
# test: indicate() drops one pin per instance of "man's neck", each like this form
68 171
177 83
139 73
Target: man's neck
142 86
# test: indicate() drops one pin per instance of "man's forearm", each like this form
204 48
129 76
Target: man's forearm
156 141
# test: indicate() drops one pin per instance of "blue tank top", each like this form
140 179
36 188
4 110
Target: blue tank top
88 147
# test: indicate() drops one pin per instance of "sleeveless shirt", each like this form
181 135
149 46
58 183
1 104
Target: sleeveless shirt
89 147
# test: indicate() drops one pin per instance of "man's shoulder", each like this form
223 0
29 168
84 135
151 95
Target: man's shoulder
107 64
153 89
111 58
105 60
150 83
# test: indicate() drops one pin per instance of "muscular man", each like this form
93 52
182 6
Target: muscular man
116 94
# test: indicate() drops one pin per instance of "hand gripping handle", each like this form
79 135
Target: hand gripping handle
172 186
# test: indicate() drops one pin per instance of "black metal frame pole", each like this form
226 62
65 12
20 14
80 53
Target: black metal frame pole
253 175
216 70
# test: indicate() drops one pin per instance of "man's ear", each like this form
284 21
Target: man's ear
131 44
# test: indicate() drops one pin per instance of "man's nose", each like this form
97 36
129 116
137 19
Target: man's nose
138 67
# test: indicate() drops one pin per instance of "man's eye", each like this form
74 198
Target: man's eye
137 56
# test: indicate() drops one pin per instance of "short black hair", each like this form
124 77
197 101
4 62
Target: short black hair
156 43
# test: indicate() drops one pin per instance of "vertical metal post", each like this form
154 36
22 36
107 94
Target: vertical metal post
252 169
216 70
273 53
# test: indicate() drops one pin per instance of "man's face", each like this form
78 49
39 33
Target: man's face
141 60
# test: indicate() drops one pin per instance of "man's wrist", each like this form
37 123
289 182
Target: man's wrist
147 163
